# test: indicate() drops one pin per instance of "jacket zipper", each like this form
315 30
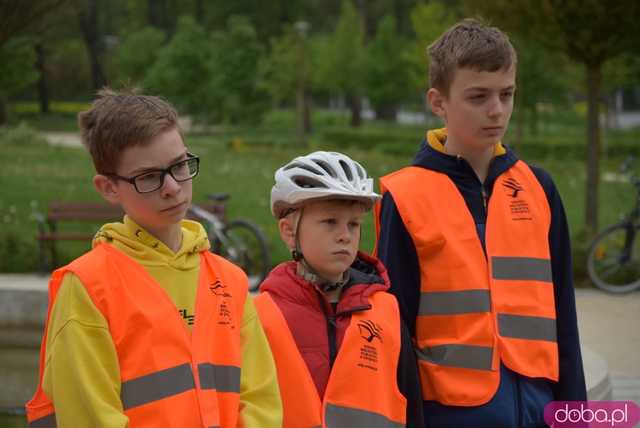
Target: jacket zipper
331 329
484 200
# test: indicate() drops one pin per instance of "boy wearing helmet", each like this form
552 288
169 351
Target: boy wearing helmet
342 354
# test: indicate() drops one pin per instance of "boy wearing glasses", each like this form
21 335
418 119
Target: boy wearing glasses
149 328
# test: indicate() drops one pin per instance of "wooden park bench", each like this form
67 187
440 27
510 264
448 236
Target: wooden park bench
82 212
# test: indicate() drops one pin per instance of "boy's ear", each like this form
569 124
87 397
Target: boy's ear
436 100
287 232
107 188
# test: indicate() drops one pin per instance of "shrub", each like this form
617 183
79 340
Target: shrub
20 135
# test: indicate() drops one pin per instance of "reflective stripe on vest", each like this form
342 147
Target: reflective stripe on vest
170 390
473 314
156 386
338 416
220 378
363 377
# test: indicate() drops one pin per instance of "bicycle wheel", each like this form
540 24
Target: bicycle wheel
613 262
248 249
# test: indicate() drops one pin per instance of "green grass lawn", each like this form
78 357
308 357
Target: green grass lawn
242 161
7 421
32 175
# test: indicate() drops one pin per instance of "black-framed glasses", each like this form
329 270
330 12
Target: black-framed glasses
150 181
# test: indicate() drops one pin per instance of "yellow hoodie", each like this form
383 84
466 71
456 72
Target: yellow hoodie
81 373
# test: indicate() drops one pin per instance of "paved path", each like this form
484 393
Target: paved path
69 139
610 326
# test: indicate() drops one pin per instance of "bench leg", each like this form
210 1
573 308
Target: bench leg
52 248
42 247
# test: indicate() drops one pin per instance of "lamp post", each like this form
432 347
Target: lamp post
302 108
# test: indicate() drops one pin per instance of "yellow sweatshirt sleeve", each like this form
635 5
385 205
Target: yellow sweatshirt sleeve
81 372
260 403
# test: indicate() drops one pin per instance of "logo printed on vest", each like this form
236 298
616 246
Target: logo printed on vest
369 353
513 187
219 289
518 206
369 330
224 311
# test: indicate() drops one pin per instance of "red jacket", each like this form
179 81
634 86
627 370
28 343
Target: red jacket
318 330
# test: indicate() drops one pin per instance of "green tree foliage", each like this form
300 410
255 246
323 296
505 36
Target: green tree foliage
17 58
211 77
233 86
387 70
536 84
137 53
341 65
16 16
183 70
278 72
344 59
16 65
268 18
428 21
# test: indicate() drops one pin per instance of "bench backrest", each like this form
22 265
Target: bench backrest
99 211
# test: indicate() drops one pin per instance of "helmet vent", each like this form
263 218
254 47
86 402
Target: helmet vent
308 183
346 170
303 166
325 166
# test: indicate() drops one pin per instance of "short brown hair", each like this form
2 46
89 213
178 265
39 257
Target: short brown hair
117 120
468 44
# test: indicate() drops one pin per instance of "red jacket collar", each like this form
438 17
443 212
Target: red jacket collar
368 276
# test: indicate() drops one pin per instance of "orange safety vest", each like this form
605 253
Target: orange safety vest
362 390
169 377
478 310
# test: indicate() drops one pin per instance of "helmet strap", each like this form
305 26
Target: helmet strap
296 255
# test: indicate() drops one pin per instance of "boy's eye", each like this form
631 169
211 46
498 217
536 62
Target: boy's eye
181 170
354 224
478 97
507 95
329 221
149 177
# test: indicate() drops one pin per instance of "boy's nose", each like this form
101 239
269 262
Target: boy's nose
344 234
496 108
170 186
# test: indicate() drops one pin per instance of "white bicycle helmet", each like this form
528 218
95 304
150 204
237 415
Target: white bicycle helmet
320 175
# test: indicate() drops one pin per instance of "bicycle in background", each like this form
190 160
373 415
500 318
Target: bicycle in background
613 260
239 241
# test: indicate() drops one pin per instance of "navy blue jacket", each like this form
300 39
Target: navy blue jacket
519 400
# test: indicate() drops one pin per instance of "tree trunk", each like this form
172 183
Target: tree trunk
300 113
594 76
535 121
307 112
88 17
43 89
160 15
302 109
200 17
156 13
355 105
519 120
386 112
3 110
